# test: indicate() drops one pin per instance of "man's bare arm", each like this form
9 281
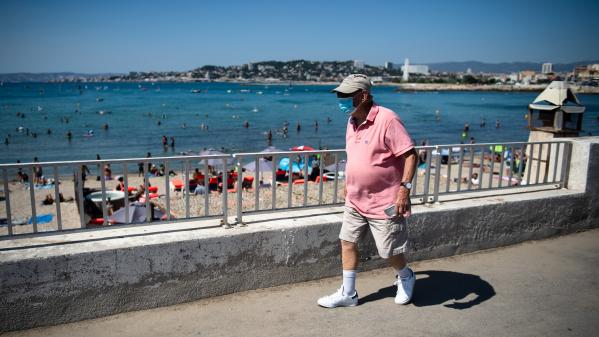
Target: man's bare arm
403 197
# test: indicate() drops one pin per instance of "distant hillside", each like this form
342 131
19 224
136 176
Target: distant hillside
47 77
501 67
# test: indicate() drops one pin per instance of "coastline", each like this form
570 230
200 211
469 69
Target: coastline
496 88
406 87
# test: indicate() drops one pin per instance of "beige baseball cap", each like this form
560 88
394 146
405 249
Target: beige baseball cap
353 83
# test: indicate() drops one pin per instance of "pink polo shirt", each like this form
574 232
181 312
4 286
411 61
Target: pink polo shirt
373 170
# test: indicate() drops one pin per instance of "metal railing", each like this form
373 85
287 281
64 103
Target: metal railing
443 170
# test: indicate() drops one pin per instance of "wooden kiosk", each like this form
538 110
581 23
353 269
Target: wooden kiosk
555 113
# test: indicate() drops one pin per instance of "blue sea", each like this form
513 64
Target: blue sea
139 114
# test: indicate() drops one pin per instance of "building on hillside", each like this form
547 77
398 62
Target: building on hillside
547 68
358 64
408 68
526 76
388 65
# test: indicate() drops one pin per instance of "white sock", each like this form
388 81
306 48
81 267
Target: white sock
405 272
349 282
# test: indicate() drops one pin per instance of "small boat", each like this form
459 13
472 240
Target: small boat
196 91
99 99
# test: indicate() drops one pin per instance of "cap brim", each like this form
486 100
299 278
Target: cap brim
345 89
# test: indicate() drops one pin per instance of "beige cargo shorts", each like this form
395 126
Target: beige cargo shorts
390 235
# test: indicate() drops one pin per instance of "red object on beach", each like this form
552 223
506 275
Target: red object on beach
97 221
153 195
298 181
131 189
302 148
176 184
153 189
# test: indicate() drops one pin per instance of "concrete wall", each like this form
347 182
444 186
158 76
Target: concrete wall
74 276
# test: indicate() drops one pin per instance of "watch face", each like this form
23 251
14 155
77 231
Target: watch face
407 185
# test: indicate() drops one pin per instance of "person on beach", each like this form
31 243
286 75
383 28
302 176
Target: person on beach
39 174
381 161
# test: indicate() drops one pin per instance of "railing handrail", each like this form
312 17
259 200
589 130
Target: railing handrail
248 154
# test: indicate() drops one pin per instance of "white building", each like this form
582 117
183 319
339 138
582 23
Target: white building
358 64
547 68
388 65
408 68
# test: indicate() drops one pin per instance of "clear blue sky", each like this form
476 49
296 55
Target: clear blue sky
120 36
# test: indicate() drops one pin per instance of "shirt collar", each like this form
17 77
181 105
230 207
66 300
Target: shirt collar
374 110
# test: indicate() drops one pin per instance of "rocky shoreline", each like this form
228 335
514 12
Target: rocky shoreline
478 87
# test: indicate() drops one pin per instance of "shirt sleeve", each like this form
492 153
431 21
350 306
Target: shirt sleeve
397 139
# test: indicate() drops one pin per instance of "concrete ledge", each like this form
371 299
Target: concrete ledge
79 275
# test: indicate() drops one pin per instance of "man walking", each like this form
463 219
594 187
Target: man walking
380 165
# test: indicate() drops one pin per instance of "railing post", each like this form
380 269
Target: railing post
207 185
7 201
274 183
57 199
427 175
168 190
32 199
147 194
240 192
556 159
481 168
566 165
320 182
225 184
437 175
79 178
126 190
306 161
256 184
186 188
539 161
336 181
290 183
103 187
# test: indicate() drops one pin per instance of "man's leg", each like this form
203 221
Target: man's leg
349 261
349 255
398 262
352 229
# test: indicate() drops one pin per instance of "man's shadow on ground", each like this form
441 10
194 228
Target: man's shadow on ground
434 287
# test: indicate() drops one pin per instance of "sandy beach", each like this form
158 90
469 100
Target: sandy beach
21 207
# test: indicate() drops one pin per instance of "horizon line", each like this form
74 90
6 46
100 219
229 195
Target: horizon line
291 60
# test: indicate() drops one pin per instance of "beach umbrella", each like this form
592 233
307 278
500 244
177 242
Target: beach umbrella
212 161
137 213
302 148
331 167
271 149
263 165
284 165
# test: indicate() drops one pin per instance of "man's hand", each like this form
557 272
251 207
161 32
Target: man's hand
402 203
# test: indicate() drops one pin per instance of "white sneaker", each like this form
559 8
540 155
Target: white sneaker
338 299
405 288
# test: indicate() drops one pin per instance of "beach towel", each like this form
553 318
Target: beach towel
44 218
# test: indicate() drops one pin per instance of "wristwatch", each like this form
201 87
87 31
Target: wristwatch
406 184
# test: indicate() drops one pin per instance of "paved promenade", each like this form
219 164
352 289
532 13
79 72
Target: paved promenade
541 288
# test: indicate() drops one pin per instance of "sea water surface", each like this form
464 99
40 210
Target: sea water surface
139 114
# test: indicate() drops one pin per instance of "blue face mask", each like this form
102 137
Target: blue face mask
346 105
